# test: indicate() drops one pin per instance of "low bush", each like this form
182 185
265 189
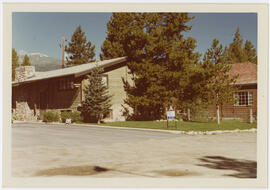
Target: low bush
179 117
198 112
51 116
14 116
74 116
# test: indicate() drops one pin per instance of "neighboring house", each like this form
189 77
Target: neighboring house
62 89
246 93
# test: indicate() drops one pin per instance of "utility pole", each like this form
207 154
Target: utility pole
63 52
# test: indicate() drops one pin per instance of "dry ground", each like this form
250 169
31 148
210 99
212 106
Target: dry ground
55 150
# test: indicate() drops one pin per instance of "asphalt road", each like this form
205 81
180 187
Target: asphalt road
88 151
66 135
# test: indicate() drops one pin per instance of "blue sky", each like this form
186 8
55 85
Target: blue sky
42 32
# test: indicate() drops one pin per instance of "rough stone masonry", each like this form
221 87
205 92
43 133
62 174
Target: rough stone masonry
23 111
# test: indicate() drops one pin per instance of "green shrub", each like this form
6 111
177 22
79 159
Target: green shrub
51 116
200 113
74 116
14 116
178 117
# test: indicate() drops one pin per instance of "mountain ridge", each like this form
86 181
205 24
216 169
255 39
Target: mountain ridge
41 61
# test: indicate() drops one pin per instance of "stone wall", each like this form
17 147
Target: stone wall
24 72
24 113
25 102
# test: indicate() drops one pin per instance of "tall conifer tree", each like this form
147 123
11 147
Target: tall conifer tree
26 61
238 53
219 85
160 59
80 51
97 100
15 62
250 52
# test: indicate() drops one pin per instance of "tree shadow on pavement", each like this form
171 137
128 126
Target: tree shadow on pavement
72 171
243 168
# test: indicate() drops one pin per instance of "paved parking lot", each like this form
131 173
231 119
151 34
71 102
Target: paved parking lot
87 151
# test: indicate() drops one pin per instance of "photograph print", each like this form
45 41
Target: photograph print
169 95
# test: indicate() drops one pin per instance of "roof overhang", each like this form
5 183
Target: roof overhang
109 64
76 71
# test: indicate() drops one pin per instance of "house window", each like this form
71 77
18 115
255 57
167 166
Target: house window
66 84
243 98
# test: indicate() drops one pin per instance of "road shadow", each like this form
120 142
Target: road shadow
72 171
243 168
81 171
177 173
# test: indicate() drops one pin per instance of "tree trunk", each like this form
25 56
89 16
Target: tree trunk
221 112
188 113
218 118
250 116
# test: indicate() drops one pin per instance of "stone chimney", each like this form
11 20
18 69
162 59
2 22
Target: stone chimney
24 72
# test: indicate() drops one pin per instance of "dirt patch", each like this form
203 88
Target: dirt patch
177 173
72 171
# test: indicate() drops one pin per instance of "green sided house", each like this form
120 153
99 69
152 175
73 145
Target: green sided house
35 92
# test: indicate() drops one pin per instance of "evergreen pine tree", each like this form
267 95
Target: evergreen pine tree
97 99
219 85
15 62
80 51
26 61
238 54
250 52
118 26
160 59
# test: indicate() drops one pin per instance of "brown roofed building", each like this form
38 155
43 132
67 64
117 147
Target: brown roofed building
62 89
246 94
247 73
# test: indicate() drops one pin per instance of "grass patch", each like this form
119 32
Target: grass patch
185 126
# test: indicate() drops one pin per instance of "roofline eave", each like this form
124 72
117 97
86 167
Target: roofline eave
36 80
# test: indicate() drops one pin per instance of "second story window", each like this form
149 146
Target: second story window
66 84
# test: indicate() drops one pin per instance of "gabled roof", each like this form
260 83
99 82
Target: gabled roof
75 70
247 73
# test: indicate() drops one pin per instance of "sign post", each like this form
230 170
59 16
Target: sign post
171 117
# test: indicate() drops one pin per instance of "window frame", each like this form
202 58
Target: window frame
65 84
243 94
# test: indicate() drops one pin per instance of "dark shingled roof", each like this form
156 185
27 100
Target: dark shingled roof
247 73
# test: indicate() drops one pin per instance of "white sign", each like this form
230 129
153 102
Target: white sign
170 115
68 121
